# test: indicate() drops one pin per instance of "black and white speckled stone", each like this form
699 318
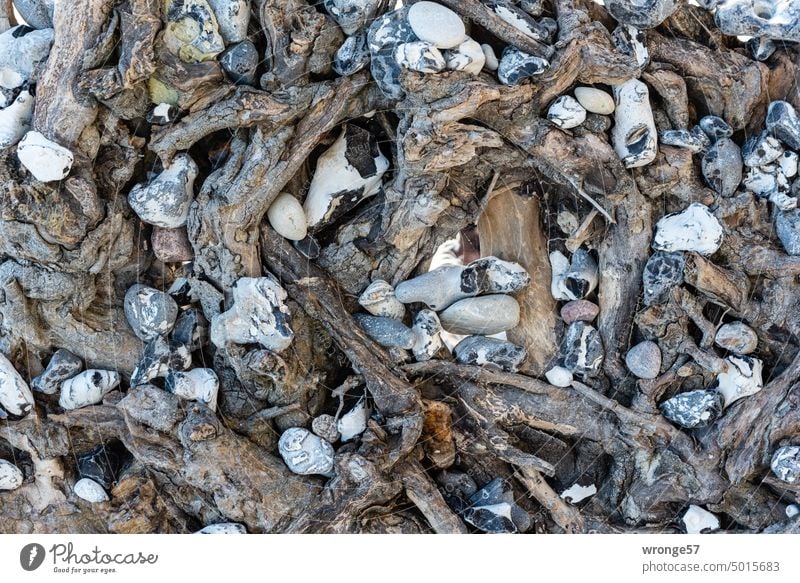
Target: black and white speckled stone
197 384
101 464
692 409
492 509
491 275
662 272
232 16
778 20
783 123
787 227
259 315
346 173
352 56
87 388
149 312
352 15
761 47
11 477
62 366
541 31
306 453
490 352
384 34
165 200
191 329
23 54
516 66
695 139
693 229
789 163
566 113
644 360
739 378
191 32
89 490
785 463
158 358
722 167
582 349
765 180
469 57
15 395
582 277
419 56
325 427
737 337
162 114
631 41
223 528
641 13
761 149
386 331
482 315
427 335
240 62
715 127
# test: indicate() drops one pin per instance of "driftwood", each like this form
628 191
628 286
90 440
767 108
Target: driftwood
465 152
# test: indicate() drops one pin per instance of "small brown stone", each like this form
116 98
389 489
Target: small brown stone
171 245
579 311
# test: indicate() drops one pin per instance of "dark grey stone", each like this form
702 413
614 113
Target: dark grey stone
761 47
722 166
383 36
492 509
386 331
63 365
101 464
662 272
36 13
516 66
695 139
715 127
693 409
783 123
640 13
191 329
496 353
158 358
240 62
150 312
352 56
787 226
582 349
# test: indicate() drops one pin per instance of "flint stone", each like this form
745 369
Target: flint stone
223 528
162 114
630 41
516 65
693 409
715 127
354 422
492 509
383 36
595 100
427 335
90 491
420 56
740 377
695 139
770 18
788 164
198 384
579 311
36 13
644 360
541 31
15 120
737 337
62 366
582 350
352 56
761 48
634 134
641 13
15 395
693 229
306 453
566 113
698 520
352 15
787 227
190 329
165 201
258 316
436 24
785 463
783 122
722 167
287 217
87 388
761 149
490 352
662 272
482 315
45 160
559 376
101 464
379 300
232 16
468 57
23 54
149 312
191 32
240 62
387 332
11 477
158 358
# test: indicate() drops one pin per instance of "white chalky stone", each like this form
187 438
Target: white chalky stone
595 100
90 491
223 528
436 24
43 158
559 376
10 476
693 229
287 217
15 394
492 62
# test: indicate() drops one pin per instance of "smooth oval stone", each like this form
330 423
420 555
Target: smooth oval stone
171 245
482 315
492 62
566 113
287 217
468 57
90 491
420 56
325 427
740 377
785 463
693 408
240 62
516 66
198 384
15 395
11 476
579 311
491 352
150 312
233 16
379 300
223 528
595 100
715 127
63 365
436 24
722 166
87 388
306 453
15 119
784 124
45 159
787 227
737 337
698 520
386 331
693 229
559 376
582 349
644 360
437 288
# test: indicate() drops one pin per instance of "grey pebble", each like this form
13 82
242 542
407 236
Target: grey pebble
715 127
786 463
737 337
482 315
352 56
783 123
644 360
722 166
386 331
787 226
306 453
695 139
240 62
150 312
491 352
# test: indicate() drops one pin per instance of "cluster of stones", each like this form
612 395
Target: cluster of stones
573 280
491 509
766 21
471 301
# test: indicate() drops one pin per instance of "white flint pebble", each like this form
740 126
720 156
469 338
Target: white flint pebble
15 120
165 200
634 134
559 376
740 377
427 337
420 56
468 57
87 388
354 422
436 24
306 453
379 300
492 61
198 384
45 159
576 493
693 229
595 100
697 520
15 395
91 491
223 528
287 217
23 53
149 312
10 476
785 463
566 113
